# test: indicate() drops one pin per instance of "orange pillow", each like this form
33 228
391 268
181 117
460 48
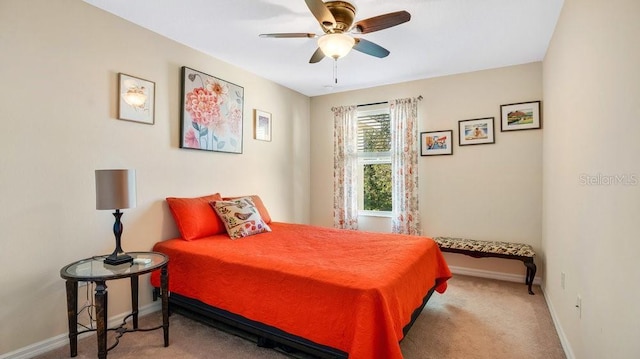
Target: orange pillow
259 205
194 216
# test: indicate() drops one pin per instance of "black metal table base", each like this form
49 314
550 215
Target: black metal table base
101 300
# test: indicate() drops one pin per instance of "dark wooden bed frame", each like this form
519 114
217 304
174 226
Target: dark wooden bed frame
264 335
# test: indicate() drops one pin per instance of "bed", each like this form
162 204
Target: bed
329 292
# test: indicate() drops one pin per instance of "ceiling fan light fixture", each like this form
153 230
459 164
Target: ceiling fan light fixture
336 45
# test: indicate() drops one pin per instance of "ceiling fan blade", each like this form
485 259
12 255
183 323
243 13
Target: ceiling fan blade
381 22
317 56
322 13
289 35
370 48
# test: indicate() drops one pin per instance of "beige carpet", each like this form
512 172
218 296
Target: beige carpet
474 318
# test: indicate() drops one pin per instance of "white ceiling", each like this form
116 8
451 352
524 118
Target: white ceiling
443 37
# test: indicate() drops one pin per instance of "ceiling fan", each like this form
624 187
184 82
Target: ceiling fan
336 18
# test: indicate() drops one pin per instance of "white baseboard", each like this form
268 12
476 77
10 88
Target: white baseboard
63 339
492 275
556 322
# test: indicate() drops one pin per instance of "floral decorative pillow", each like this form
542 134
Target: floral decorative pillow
241 218
257 201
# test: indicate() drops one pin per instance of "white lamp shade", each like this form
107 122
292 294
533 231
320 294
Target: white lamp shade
336 45
115 189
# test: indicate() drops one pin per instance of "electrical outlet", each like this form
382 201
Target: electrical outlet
562 278
579 306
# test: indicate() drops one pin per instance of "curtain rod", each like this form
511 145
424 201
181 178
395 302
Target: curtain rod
383 102
374 103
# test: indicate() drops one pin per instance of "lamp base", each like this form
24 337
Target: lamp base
118 259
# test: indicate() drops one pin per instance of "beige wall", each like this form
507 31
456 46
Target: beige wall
590 231
58 71
488 192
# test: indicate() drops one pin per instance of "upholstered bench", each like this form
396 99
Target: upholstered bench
478 249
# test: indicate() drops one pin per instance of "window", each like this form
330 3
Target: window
374 159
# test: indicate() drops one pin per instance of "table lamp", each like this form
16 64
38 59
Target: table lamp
116 189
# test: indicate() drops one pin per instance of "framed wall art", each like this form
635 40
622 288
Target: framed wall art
434 143
262 125
477 131
136 99
211 113
520 116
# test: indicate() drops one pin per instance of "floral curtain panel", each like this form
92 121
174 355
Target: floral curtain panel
345 168
404 166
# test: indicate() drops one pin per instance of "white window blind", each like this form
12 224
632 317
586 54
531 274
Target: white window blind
374 159
374 133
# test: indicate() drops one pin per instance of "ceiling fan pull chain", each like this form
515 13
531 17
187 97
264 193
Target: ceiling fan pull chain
335 71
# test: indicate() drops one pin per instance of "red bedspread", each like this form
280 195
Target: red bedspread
349 290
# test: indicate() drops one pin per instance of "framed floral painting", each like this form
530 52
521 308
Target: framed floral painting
211 113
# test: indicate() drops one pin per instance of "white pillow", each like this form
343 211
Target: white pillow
240 216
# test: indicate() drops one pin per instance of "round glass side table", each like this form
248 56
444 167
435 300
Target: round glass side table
95 270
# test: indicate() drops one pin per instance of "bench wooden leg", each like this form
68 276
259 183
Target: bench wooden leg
531 273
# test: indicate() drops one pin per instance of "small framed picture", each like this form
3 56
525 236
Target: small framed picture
520 116
136 99
262 125
478 131
435 143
